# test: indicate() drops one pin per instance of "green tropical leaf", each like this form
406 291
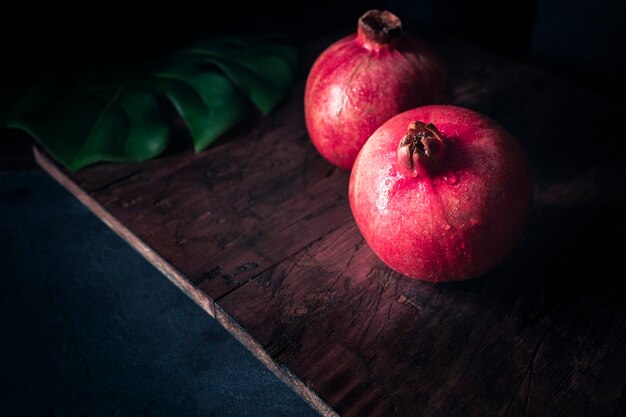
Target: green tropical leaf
208 102
115 115
259 69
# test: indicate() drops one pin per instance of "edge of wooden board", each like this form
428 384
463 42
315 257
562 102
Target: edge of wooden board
178 279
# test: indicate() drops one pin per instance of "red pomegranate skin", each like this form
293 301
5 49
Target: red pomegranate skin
453 221
357 84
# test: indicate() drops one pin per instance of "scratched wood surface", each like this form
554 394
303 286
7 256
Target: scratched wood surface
258 231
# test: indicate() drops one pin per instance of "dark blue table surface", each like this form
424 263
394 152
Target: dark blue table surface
89 328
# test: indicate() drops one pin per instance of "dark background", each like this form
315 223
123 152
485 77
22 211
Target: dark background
88 327
579 39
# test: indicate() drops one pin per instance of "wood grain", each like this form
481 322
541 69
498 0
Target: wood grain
258 231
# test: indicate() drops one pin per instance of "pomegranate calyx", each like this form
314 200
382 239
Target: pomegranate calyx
379 27
420 150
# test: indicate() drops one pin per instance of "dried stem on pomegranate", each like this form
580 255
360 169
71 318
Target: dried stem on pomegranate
421 150
379 27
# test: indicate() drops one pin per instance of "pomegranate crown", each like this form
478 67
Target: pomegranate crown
379 27
421 150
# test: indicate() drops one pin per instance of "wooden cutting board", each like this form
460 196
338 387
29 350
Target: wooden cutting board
258 231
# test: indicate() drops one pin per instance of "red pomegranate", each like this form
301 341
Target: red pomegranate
364 79
441 193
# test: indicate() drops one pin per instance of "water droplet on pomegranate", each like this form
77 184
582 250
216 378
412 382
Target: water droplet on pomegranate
451 179
462 245
446 226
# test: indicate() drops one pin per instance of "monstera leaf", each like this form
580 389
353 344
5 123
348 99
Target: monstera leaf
118 115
